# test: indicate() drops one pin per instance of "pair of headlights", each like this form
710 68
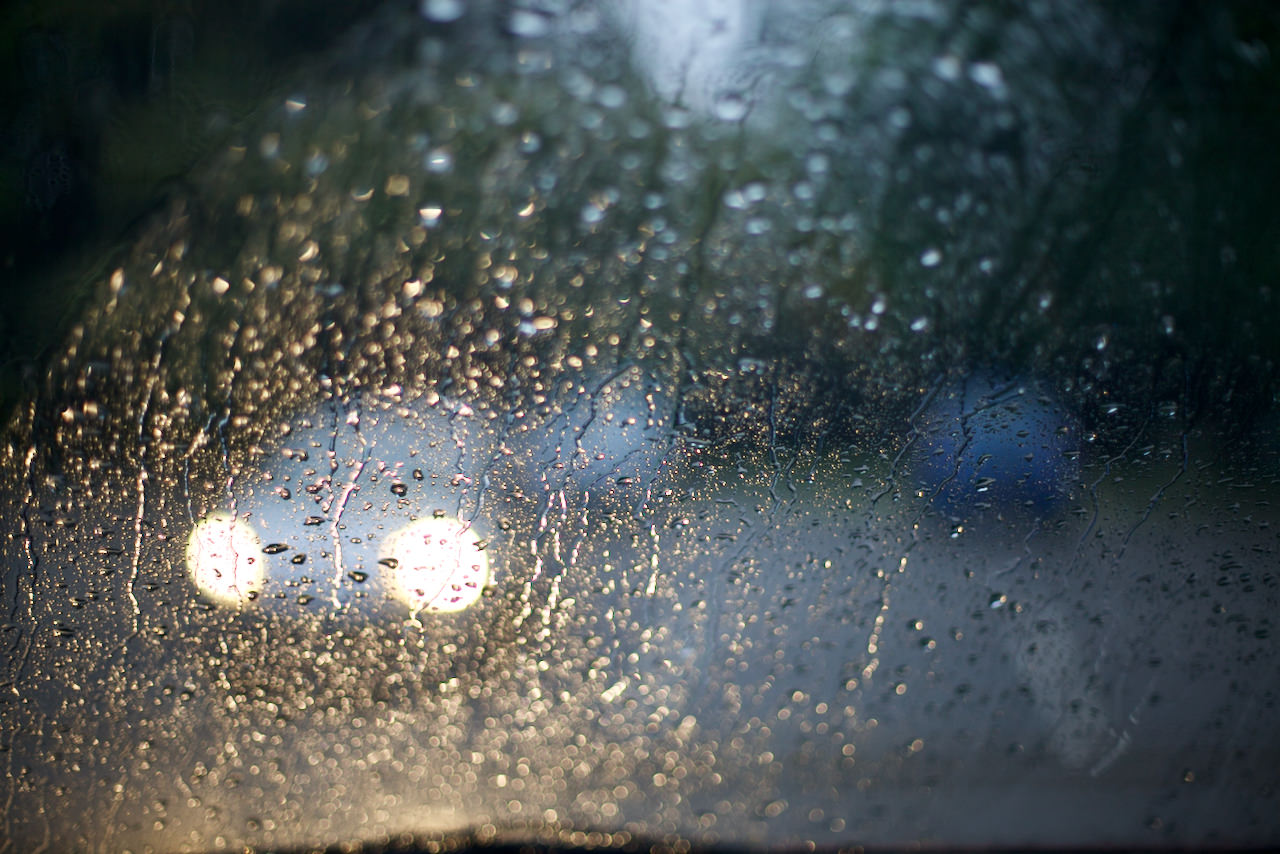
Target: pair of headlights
359 505
437 565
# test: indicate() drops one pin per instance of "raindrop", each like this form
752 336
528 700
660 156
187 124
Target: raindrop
838 84
275 548
316 164
612 97
429 215
505 114
399 489
442 11
931 257
947 67
530 142
528 24
439 161
817 164
731 107
987 75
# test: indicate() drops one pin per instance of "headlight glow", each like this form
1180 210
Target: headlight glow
225 559
438 565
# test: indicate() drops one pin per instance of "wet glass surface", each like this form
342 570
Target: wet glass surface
596 424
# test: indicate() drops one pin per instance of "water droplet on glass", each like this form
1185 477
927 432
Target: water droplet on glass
612 97
931 257
987 75
530 142
817 164
731 107
429 215
528 24
442 11
316 164
947 67
439 161
504 114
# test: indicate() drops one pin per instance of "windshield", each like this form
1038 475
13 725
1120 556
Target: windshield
721 424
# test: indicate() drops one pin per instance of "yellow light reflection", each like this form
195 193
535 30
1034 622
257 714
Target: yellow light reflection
225 560
437 565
